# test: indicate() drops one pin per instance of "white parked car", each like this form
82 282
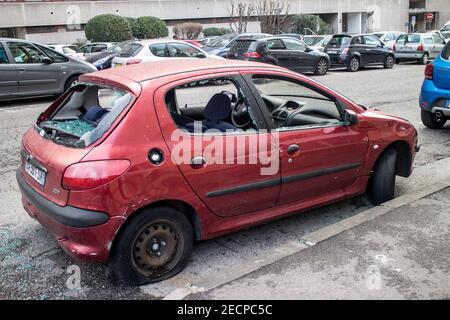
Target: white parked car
445 31
388 37
154 50
68 50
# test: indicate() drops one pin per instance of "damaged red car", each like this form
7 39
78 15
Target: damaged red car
132 166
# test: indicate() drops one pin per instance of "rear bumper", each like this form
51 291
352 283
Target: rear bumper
434 99
85 235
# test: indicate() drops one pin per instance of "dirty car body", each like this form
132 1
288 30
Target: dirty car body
98 172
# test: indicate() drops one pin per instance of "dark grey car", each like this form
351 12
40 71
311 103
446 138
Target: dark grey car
29 69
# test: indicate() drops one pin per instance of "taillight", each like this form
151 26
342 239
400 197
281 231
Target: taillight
134 61
252 55
429 71
420 48
92 174
344 52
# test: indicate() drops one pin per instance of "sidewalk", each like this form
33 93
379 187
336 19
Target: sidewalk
401 254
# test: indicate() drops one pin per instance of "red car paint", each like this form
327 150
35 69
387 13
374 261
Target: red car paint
147 125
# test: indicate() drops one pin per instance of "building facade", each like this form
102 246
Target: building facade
63 21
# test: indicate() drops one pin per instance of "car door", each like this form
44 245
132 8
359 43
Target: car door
276 50
9 79
301 60
438 45
223 169
357 45
35 76
376 52
315 159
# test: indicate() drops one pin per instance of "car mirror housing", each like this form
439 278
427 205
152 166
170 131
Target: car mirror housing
201 55
350 117
47 60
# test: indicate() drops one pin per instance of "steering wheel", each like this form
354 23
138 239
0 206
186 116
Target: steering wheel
239 112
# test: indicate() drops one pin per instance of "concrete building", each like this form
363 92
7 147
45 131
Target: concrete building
63 21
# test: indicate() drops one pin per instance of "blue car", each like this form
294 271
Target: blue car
435 93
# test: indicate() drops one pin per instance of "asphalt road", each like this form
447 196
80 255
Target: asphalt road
33 266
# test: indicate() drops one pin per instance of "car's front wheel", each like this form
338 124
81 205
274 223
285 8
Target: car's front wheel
430 120
353 64
389 62
321 67
155 245
382 182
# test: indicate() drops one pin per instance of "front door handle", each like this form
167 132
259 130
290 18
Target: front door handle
293 148
198 162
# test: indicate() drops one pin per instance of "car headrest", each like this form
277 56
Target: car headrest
218 107
94 114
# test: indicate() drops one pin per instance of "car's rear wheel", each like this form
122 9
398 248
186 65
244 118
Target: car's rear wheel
424 59
321 67
155 245
389 62
70 82
382 182
353 64
430 120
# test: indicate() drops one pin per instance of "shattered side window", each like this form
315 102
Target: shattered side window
87 113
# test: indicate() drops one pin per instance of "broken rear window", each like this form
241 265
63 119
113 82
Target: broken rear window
85 115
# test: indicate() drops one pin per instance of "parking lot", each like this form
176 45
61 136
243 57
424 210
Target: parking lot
33 266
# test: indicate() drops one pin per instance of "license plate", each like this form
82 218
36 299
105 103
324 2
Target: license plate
117 65
332 51
36 173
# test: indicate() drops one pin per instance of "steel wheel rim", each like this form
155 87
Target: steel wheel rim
322 66
157 249
425 58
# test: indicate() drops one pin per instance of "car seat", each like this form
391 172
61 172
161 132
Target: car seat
217 110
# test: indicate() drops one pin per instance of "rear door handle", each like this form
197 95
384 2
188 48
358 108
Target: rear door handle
293 148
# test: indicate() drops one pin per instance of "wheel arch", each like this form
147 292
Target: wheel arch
179 205
404 157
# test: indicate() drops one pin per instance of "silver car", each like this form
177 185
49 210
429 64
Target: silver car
29 69
418 46
318 42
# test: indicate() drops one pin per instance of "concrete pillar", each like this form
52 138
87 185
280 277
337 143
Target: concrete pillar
339 22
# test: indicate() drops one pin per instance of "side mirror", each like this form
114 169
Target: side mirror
350 117
308 49
46 60
201 55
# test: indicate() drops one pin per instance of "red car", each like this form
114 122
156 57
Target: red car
133 165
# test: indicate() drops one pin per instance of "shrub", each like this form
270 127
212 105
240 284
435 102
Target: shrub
300 22
132 23
213 31
150 28
188 30
108 27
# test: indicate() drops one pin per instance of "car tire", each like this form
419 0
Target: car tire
382 181
353 65
321 67
431 121
424 59
397 61
70 82
389 62
155 245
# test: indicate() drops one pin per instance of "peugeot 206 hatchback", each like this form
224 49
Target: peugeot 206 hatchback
132 166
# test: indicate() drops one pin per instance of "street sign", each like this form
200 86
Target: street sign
429 16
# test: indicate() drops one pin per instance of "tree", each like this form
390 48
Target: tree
303 22
271 15
150 28
240 14
188 30
213 31
108 27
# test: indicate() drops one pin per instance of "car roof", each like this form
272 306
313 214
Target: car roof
163 68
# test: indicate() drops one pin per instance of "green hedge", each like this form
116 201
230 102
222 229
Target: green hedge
109 28
150 28
213 31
